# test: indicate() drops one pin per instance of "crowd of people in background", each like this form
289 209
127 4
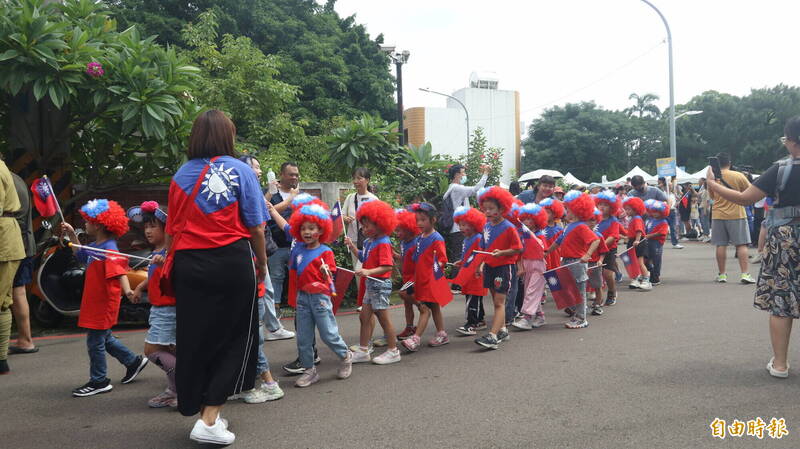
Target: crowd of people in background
229 252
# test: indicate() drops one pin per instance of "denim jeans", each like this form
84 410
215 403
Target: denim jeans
98 342
673 229
511 298
278 264
705 222
316 310
655 249
262 365
269 317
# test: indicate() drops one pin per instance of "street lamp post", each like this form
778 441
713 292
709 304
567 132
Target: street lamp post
466 113
672 149
399 58
687 113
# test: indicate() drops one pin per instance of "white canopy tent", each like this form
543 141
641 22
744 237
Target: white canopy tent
648 178
536 174
571 180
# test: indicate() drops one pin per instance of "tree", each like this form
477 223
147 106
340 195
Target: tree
113 105
339 69
643 106
479 155
416 175
366 141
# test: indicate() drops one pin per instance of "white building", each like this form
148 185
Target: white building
494 110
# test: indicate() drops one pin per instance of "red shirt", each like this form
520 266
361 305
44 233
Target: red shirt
501 236
533 245
154 286
610 227
636 225
659 226
602 248
424 252
305 270
101 289
407 257
377 253
575 240
475 285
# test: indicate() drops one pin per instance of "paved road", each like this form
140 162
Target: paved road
651 373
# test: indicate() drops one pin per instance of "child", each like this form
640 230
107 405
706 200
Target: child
430 247
555 211
656 229
634 232
471 222
312 266
577 245
502 240
103 286
515 294
159 343
535 218
377 221
407 231
609 227
595 272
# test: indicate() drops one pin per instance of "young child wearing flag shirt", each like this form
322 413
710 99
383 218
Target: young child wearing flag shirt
407 232
635 233
159 343
103 286
515 294
534 217
555 212
377 220
608 205
431 289
656 229
471 222
311 269
500 238
577 245
596 272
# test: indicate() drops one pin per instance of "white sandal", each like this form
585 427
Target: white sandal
775 373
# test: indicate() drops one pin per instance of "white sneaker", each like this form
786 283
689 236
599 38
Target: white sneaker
635 283
280 334
262 394
216 434
678 246
775 373
591 295
538 321
356 348
646 286
361 356
523 323
387 357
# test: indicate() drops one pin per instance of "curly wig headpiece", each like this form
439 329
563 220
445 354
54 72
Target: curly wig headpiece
107 213
534 212
407 220
379 213
312 213
501 196
471 216
608 197
634 203
555 206
580 204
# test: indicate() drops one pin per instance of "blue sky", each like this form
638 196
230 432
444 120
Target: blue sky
559 51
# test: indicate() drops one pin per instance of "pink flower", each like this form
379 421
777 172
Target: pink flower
95 69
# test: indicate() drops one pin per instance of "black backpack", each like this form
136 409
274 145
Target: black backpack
446 214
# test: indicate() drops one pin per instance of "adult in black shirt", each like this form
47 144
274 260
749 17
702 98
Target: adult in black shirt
279 261
778 287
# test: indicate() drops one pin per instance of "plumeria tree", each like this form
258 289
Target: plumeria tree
114 106
479 154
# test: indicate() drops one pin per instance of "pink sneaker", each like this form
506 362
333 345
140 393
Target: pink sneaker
411 343
440 339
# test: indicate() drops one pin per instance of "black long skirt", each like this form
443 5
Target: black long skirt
217 325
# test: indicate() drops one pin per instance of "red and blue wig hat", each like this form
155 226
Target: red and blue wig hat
513 214
424 208
536 213
580 204
608 197
470 216
379 213
501 196
148 211
634 203
657 206
315 213
553 205
407 220
107 213
304 198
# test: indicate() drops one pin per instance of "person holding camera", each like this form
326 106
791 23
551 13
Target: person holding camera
778 287
729 221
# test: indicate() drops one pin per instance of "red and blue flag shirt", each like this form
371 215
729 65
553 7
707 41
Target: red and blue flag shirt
532 244
228 202
575 240
376 253
470 262
501 236
610 227
305 269
101 288
423 257
602 248
407 258
636 224
657 226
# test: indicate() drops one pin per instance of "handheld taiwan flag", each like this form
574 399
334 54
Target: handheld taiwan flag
338 222
563 287
631 263
440 288
43 197
342 280
467 272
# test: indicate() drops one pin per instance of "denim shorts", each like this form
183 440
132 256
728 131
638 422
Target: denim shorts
162 326
24 274
377 294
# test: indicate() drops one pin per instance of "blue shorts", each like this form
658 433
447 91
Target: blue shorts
162 326
24 274
377 294
498 279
